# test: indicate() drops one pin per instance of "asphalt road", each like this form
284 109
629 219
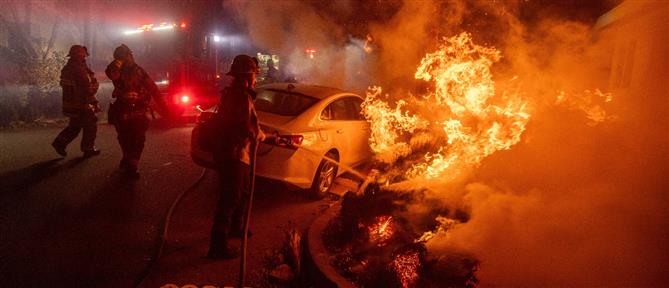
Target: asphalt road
276 211
76 222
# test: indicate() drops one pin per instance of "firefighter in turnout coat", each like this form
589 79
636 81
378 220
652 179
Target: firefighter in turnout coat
133 90
239 128
79 103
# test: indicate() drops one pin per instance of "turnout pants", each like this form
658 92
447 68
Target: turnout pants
86 122
234 177
131 137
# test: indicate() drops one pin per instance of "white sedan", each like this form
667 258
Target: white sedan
313 123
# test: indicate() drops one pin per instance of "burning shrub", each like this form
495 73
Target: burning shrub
375 246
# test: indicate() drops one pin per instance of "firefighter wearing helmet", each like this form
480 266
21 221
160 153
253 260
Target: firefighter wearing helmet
239 128
133 91
79 103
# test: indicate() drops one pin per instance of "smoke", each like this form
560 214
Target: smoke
353 50
403 41
292 29
582 199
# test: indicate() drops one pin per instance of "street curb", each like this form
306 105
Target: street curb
317 252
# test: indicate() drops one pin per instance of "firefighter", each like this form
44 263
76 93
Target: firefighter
233 154
133 90
79 103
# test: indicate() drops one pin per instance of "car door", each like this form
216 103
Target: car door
341 128
360 131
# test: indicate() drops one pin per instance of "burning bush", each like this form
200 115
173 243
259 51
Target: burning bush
375 246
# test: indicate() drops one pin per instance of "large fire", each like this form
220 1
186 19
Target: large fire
462 108
439 135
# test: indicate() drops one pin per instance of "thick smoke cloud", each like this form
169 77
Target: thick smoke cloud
575 203
403 41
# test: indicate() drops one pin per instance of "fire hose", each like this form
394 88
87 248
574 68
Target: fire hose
249 201
247 215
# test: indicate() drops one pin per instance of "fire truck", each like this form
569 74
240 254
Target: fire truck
182 60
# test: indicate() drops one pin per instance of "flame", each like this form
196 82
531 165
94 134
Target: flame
462 107
368 44
445 224
388 124
406 267
589 102
381 231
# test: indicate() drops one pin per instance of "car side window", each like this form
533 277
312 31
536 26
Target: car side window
355 105
327 113
343 109
340 110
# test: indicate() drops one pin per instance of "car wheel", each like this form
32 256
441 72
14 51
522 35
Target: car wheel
324 178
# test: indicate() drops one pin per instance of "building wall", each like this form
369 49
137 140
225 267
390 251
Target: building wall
636 33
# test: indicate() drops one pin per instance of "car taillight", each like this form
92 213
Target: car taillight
286 141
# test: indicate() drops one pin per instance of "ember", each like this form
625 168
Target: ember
406 266
381 231
375 246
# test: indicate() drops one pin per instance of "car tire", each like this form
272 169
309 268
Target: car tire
324 177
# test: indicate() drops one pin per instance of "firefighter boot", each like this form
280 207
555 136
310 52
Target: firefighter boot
128 169
60 149
131 174
91 153
226 252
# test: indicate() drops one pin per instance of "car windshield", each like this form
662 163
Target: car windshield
282 102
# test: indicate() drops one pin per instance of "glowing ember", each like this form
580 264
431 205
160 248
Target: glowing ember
462 108
381 231
406 267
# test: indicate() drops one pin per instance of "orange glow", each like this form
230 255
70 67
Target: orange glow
462 106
